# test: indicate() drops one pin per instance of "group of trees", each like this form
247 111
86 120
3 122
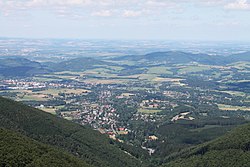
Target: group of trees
231 150
83 142
17 150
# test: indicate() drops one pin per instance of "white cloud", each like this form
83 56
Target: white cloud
155 3
227 23
116 8
103 13
131 13
50 3
238 5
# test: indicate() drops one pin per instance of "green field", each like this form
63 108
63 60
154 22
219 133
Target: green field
159 70
45 79
110 68
241 65
28 95
192 69
31 97
148 111
149 77
49 110
235 93
55 92
232 108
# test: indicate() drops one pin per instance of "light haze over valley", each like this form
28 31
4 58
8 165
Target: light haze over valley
128 83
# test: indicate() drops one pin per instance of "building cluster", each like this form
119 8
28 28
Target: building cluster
14 84
98 114
22 84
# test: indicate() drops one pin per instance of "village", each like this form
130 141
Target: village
75 105
128 112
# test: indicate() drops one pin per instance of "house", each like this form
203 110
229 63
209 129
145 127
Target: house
121 129
153 137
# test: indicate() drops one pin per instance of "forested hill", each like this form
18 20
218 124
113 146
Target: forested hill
19 150
176 57
22 67
82 142
245 56
18 66
230 150
78 64
35 138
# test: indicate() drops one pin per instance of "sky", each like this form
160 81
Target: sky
200 20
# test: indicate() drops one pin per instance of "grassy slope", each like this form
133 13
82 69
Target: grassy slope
19 150
80 141
231 150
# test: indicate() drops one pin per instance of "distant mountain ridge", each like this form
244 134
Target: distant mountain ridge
176 57
12 67
18 66
245 56
78 64
182 57
18 62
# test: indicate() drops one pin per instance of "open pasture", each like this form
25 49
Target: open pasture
232 108
159 70
55 92
148 111
193 69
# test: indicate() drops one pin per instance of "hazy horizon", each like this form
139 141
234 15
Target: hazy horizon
208 20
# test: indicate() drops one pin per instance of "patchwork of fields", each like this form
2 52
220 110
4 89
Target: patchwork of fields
132 100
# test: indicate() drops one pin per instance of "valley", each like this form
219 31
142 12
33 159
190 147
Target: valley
154 104
124 83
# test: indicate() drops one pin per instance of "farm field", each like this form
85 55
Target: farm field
192 69
233 108
49 110
132 100
235 93
159 70
148 111
55 92
27 95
